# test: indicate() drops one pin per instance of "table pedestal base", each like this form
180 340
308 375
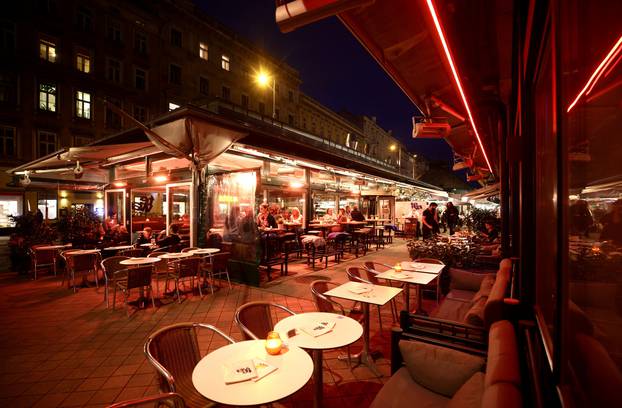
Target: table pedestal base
364 357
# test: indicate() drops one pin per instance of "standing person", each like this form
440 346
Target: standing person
451 216
430 221
612 224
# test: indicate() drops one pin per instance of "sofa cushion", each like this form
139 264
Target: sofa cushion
461 295
465 280
475 315
452 309
470 394
504 395
502 365
439 369
402 392
485 288
493 310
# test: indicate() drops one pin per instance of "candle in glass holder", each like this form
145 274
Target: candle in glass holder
398 267
273 343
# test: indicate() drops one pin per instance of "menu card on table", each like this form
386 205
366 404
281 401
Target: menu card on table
360 288
318 328
253 369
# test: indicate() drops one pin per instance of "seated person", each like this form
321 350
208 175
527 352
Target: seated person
342 217
491 233
356 215
144 237
172 238
296 216
329 216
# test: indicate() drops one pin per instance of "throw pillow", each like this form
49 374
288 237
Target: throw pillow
470 394
439 369
475 315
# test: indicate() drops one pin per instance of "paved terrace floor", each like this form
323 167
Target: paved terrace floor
59 349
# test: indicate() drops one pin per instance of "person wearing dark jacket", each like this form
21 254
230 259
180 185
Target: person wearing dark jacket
356 215
451 216
430 221
172 238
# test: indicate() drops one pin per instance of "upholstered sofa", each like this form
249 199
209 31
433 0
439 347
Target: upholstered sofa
429 376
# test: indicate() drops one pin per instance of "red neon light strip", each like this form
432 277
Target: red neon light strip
454 71
597 73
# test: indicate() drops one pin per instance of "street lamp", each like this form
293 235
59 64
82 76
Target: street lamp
263 80
393 148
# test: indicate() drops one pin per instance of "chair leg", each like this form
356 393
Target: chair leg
199 285
177 290
106 295
126 294
114 297
151 296
380 318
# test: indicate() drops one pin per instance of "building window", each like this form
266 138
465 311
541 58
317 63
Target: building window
174 74
113 31
226 93
262 108
172 106
81 140
7 141
139 113
290 120
83 105
47 204
112 118
46 143
8 89
7 33
225 63
83 63
47 97
175 38
204 86
290 96
84 19
244 100
203 51
47 50
113 70
140 78
140 42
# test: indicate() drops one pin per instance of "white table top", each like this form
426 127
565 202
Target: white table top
377 295
139 261
148 245
422 267
203 251
50 247
294 370
345 332
419 278
118 248
175 255
82 252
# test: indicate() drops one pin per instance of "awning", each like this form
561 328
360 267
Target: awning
606 188
402 37
484 192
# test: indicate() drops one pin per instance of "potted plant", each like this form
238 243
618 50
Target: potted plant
29 231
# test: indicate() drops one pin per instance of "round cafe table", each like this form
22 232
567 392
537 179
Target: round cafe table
203 251
118 248
51 247
345 332
174 255
294 368
139 261
82 251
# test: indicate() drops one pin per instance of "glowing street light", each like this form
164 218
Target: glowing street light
263 79
393 147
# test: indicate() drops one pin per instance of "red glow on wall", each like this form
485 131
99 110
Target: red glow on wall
454 72
598 72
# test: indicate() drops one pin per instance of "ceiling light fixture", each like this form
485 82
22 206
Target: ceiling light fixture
597 73
454 71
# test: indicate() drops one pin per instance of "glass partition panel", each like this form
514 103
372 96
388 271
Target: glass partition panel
10 205
114 208
149 209
287 200
322 202
180 209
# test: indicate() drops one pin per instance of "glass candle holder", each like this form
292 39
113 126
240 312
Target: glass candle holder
273 343
398 267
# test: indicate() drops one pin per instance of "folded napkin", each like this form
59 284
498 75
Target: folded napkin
318 328
358 289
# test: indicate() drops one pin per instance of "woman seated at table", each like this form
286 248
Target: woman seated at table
342 217
172 238
329 216
144 237
296 216
265 219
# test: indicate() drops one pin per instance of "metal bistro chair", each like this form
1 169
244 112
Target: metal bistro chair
437 281
185 268
217 265
371 270
327 305
255 318
79 264
139 277
165 400
354 275
174 352
110 266
187 249
160 269
42 258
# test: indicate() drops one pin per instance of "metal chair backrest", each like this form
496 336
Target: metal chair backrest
374 268
131 252
188 249
42 256
139 277
83 262
322 302
174 352
112 265
354 274
430 261
255 318
220 261
155 254
187 267
169 400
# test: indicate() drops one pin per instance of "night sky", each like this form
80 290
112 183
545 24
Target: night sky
333 66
